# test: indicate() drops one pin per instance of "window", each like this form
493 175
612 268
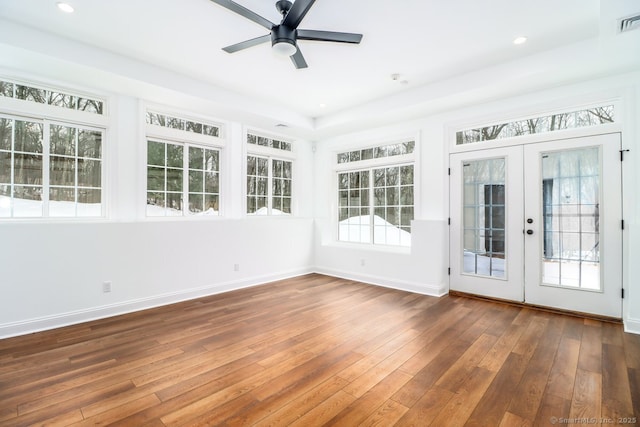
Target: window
75 171
49 169
269 176
484 217
571 185
183 166
377 152
204 180
263 141
268 186
555 122
51 97
50 166
195 126
376 203
182 172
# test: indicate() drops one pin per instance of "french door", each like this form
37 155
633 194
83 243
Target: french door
540 223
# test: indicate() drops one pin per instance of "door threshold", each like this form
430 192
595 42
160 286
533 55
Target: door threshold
539 307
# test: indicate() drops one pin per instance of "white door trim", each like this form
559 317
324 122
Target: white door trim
518 283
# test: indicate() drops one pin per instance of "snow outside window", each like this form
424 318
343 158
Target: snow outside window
182 179
376 205
49 170
268 186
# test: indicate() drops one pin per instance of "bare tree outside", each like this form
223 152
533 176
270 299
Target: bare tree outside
590 117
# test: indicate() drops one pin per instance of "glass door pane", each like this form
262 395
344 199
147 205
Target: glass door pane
487 208
571 218
484 217
573 240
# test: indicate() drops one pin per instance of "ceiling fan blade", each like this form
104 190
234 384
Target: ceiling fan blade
329 36
241 10
247 43
297 12
298 59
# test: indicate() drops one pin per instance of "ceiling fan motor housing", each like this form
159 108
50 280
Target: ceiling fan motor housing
283 34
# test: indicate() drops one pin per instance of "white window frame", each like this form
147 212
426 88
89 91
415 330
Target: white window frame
26 110
370 165
184 121
270 154
185 139
56 110
559 107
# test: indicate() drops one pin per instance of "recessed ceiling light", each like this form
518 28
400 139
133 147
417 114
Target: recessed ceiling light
323 105
65 7
520 40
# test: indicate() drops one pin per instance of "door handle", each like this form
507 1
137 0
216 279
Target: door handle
529 232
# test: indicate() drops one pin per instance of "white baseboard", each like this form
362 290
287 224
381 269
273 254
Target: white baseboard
8 330
419 288
632 326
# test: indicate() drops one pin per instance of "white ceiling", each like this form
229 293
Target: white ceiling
433 45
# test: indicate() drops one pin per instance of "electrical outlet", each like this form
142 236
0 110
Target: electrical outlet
362 262
106 287
236 267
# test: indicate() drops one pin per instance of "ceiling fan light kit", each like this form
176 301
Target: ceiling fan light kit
284 48
284 36
283 40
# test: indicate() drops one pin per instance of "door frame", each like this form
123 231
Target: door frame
507 288
476 151
610 302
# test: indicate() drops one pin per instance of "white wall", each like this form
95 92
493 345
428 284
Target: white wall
423 267
631 203
52 272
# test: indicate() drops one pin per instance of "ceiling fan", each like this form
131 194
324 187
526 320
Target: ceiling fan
284 36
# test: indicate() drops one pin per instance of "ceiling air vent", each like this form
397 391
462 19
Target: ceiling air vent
628 24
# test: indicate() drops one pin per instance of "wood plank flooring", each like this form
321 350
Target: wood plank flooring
317 350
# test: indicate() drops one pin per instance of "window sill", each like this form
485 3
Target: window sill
248 216
183 218
54 220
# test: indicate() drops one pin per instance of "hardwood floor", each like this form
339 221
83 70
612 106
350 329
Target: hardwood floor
318 350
